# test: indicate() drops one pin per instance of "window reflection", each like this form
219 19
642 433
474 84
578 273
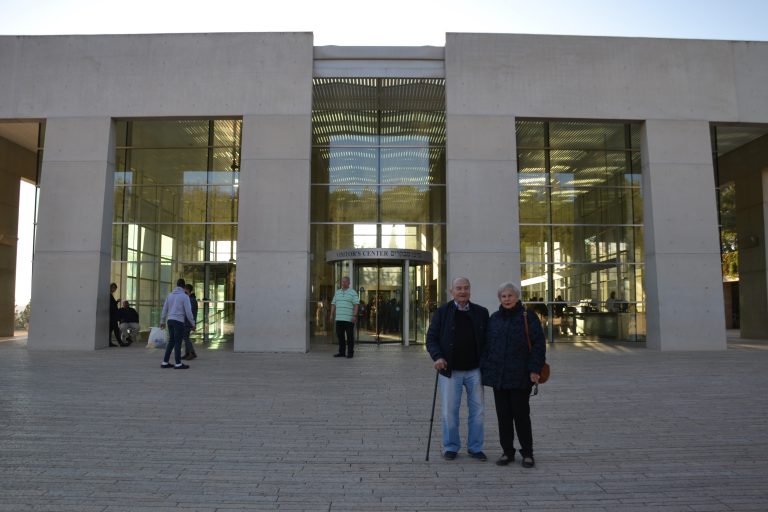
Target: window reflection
378 174
176 203
581 241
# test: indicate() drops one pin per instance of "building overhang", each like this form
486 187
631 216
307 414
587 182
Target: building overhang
379 61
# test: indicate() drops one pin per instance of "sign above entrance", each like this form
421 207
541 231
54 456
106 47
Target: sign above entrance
379 254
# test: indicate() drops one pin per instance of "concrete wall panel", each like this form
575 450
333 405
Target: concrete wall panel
750 74
678 142
271 310
277 137
685 304
78 221
480 137
482 232
274 212
273 234
155 75
682 188
71 269
63 293
79 145
592 77
683 280
9 206
482 206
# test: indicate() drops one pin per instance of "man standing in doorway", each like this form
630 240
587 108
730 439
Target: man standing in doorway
455 341
344 311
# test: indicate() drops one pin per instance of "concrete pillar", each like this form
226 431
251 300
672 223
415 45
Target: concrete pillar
483 234
16 163
683 278
273 235
752 232
71 269
747 167
9 206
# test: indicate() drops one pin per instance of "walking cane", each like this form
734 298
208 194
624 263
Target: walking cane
432 418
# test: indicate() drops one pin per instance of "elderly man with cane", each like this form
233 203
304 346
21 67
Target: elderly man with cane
455 341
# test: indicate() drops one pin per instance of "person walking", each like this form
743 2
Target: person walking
189 347
177 311
511 368
455 341
344 310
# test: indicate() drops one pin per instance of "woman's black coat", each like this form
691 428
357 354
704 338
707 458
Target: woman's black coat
506 362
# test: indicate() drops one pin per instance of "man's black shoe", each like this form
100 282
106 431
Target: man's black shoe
181 367
449 455
505 459
350 355
528 462
193 355
185 357
478 456
338 355
166 365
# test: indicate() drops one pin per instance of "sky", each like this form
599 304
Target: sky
393 22
377 23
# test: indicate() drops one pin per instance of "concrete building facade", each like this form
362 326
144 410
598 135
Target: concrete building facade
92 92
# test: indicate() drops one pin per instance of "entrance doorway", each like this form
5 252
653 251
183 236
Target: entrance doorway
391 303
380 318
394 286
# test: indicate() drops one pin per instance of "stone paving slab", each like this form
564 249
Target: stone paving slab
618 428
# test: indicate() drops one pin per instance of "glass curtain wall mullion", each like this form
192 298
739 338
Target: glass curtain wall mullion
207 242
550 235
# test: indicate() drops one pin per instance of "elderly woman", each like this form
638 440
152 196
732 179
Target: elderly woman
511 369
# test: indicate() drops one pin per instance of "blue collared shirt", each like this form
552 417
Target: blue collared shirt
465 307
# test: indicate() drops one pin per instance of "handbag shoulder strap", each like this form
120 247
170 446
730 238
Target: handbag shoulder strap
527 336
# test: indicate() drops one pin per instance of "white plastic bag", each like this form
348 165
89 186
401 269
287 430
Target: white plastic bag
158 337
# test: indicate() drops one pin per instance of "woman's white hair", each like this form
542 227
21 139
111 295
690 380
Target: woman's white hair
508 286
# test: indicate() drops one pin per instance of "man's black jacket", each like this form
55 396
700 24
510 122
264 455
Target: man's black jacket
442 330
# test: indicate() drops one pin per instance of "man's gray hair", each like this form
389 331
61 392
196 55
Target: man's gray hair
460 278
508 286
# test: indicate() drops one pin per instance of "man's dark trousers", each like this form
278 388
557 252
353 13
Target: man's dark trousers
346 329
175 336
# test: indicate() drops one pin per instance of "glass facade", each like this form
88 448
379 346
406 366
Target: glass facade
581 228
378 181
175 215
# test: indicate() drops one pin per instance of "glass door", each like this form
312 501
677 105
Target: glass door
380 317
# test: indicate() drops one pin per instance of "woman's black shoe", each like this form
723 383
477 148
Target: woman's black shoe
505 460
528 462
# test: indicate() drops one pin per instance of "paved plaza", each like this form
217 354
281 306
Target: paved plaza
618 428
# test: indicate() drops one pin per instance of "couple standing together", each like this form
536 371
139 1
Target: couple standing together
505 351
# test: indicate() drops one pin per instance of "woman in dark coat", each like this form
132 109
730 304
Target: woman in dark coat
511 369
